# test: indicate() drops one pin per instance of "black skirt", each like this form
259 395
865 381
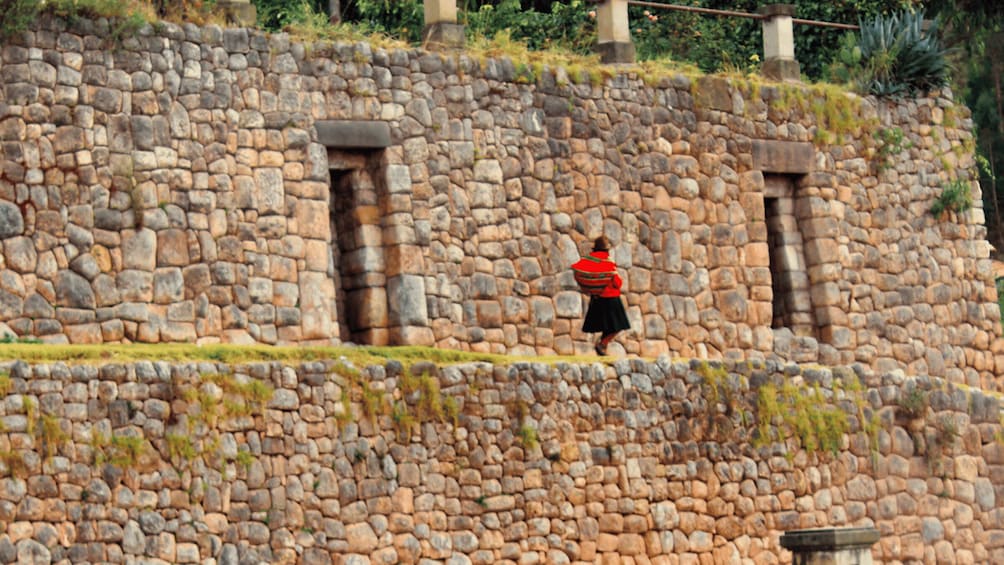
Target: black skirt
605 315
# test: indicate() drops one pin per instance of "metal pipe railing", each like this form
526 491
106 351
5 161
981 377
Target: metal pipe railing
734 13
614 32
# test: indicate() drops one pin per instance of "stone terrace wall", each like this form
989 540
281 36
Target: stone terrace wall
626 467
175 188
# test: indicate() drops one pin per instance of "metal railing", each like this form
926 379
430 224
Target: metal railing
614 32
734 13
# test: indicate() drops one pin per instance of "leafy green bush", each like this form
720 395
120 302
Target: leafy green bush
402 19
568 25
276 16
16 16
398 19
892 56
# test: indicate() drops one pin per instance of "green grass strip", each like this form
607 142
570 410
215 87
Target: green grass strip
231 354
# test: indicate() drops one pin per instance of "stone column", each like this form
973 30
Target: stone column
240 12
614 32
831 546
779 43
441 27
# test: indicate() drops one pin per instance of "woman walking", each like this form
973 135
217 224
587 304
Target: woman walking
597 275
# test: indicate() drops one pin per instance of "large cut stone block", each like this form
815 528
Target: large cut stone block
783 156
355 134
398 179
412 335
404 259
316 294
406 301
568 304
312 219
365 260
168 285
135 285
172 248
20 253
714 93
11 221
139 250
73 290
269 191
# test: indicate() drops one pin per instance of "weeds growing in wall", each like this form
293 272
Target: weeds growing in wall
417 400
120 450
212 401
890 142
46 432
956 196
936 435
721 391
11 338
817 419
800 415
913 403
801 412
528 436
525 430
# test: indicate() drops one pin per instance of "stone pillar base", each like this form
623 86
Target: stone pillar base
831 546
443 35
782 69
616 52
243 14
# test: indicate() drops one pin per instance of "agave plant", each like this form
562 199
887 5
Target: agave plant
893 55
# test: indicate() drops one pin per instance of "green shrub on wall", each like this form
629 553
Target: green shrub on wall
16 16
956 196
892 56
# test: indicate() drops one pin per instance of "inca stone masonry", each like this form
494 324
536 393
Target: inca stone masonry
209 185
222 185
635 463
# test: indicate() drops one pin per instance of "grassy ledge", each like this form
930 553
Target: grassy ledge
358 356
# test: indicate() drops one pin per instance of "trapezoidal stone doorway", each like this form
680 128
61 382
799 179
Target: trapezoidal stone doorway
357 251
792 301
804 264
378 270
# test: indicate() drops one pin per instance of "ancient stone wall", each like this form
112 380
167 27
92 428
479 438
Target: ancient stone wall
527 463
207 184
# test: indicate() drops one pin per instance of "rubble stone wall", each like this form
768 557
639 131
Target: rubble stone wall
622 463
174 187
